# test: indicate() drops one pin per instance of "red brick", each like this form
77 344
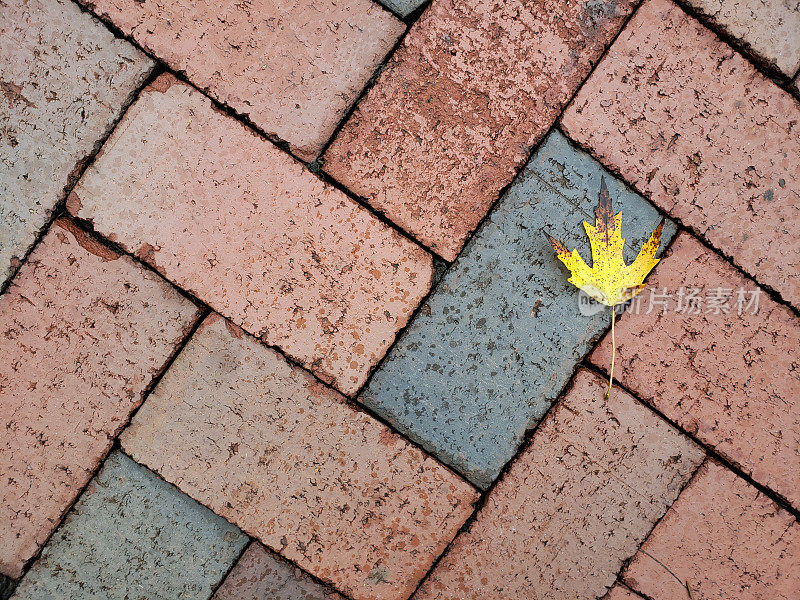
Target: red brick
293 68
692 125
457 110
573 506
267 447
620 592
723 538
231 218
732 380
84 331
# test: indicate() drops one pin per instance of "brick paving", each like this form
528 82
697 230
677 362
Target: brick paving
278 317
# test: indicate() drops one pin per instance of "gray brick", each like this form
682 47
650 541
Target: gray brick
132 536
64 79
479 366
403 7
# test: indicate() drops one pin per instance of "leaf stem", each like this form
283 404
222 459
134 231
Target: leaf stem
613 355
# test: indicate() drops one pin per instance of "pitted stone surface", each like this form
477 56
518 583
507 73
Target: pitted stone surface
731 379
573 507
132 536
294 68
262 575
454 115
770 29
500 337
83 332
248 230
694 127
725 539
64 80
285 458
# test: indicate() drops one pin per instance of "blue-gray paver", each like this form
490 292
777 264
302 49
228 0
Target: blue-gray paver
501 335
133 536
402 7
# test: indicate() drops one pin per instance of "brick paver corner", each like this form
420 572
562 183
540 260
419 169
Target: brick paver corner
695 128
455 113
732 380
293 68
573 506
265 445
228 216
499 338
83 332
620 592
132 535
725 539
261 575
403 7
57 100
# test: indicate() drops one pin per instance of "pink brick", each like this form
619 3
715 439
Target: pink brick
620 592
293 68
732 380
457 110
573 506
725 539
248 230
267 447
83 333
692 125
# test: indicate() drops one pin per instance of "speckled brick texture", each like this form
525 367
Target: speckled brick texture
83 332
262 575
731 379
576 504
248 230
497 341
768 29
620 592
57 100
693 126
269 448
132 536
459 106
725 539
294 68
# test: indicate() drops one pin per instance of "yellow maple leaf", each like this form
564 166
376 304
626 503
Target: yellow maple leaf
609 280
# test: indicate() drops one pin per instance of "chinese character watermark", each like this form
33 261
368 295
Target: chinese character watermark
684 300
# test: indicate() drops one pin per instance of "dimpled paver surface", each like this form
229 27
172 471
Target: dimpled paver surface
292 464
500 337
57 100
104 549
247 229
83 332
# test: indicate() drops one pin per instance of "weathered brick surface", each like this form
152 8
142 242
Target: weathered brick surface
500 336
732 380
693 126
455 113
262 575
57 100
620 592
574 506
82 334
133 536
239 223
767 28
725 539
285 458
294 68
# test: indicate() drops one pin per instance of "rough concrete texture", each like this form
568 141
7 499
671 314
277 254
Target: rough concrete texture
574 506
132 536
723 538
57 100
693 126
732 380
269 448
83 332
500 337
262 575
403 7
248 230
294 68
459 106
768 29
